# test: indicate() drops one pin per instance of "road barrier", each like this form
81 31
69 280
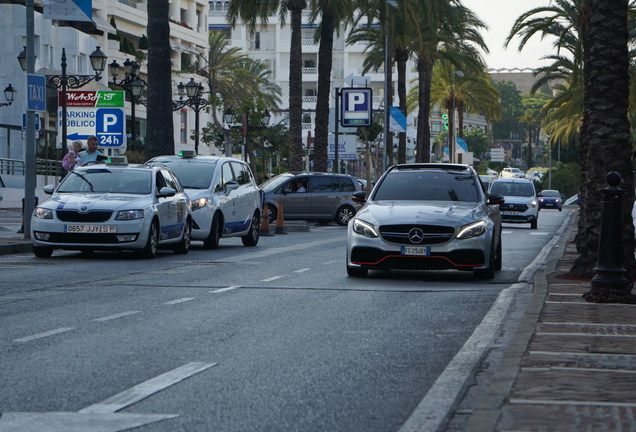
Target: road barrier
265 230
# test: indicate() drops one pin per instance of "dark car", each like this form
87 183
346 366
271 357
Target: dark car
550 199
312 196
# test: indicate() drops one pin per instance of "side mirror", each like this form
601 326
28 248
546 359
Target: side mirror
230 186
48 189
166 192
495 199
359 197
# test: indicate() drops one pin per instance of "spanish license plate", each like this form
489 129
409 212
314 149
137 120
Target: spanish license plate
416 250
90 229
508 213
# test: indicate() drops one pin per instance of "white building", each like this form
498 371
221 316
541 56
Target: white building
189 37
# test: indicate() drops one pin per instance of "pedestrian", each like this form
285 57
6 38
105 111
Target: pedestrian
91 153
72 159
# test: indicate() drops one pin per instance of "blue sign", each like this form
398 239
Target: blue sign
38 125
36 93
357 107
109 127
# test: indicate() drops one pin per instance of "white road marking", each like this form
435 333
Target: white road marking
147 388
329 262
115 316
45 334
220 290
506 232
539 233
273 278
177 301
302 270
269 252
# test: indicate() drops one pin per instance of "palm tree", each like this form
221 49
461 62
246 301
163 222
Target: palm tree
160 135
446 30
333 14
251 13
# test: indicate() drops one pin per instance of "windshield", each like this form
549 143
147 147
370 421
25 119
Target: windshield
273 183
420 185
551 193
104 180
192 175
512 189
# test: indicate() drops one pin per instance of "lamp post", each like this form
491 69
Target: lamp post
451 130
9 95
64 81
132 84
193 91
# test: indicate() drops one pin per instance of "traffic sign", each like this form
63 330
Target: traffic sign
38 125
36 93
356 107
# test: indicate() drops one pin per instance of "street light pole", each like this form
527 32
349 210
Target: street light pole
65 82
9 95
193 91
132 84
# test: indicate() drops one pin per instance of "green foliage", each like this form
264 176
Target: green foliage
511 108
113 36
566 178
127 46
477 142
143 42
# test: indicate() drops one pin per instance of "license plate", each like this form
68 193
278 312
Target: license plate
508 213
416 250
90 229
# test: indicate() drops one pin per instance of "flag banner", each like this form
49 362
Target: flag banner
397 123
69 10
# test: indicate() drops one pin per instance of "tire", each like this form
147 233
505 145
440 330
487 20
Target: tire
272 213
150 250
344 215
184 245
357 271
212 242
533 224
42 251
251 238
499 257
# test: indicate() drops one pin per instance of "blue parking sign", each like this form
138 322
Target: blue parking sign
109 127
356 107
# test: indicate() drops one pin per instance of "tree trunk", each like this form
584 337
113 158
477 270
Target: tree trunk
325 61
160 130
607 130
401 58
295 8
423 145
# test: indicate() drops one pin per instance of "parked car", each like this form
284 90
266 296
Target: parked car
521 204
114 206
426 217
550 199
326 197
512 173
226 201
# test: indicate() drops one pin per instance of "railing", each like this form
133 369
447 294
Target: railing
46 167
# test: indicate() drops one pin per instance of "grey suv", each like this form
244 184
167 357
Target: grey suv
312 196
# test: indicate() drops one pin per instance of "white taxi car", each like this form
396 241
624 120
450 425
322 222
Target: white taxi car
226 201
114 206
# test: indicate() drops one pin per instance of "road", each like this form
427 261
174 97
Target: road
272 338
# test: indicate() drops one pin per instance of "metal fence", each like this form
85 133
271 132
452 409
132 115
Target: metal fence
45 167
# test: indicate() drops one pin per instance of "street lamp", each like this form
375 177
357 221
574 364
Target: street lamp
9 95
451 130
193 91
64 81
132 84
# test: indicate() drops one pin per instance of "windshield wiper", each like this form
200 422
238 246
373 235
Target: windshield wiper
90 185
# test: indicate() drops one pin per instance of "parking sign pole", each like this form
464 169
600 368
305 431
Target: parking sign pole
29 151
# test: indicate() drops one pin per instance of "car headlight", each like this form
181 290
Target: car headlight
532 204
364 228
474 229
200 203
130 214
43 213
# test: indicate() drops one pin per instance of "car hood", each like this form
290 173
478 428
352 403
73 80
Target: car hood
102 201
418 212
511 199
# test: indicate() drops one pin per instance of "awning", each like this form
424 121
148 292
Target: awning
103 25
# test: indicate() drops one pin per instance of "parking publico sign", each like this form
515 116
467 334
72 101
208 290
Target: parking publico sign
99 113
356 107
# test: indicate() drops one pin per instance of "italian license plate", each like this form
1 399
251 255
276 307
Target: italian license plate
90 229
416 250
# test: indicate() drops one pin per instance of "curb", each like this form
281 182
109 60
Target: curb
15 248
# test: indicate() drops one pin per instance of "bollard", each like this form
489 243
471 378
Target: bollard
280 221
21 230
265 230
611 283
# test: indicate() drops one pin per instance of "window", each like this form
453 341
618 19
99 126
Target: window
169 180
306 118
240 172
324 184
226 174
346 185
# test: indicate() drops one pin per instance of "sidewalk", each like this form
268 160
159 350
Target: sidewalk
572 366
10 240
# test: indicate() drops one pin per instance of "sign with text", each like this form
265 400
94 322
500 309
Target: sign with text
347 147
357 107
36 93
98 113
